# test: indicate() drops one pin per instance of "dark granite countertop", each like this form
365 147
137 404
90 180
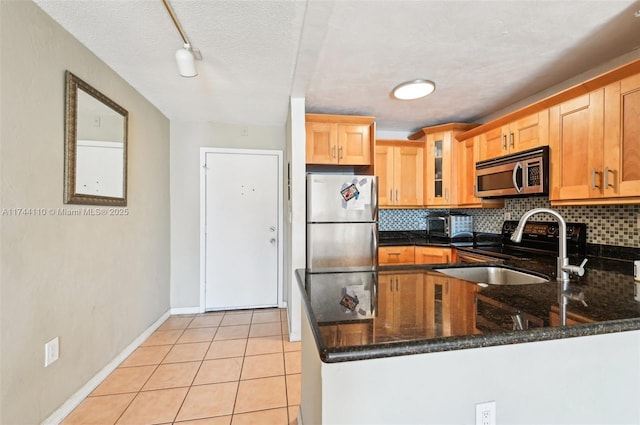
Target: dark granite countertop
419 238
404 310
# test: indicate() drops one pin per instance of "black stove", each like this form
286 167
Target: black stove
539 238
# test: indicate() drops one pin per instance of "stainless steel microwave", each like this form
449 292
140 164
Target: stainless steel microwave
519 174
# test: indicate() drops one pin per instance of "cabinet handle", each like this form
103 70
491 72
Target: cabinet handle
333 152
446 194
396 284
391 195
393 253
340 153
594 186
504 142
511 143
606 177
397 195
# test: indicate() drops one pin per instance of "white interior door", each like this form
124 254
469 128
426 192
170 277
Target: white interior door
242 229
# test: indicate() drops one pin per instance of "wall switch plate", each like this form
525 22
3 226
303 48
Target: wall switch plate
51 351
486 413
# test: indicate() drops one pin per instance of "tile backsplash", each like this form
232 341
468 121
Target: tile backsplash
606 224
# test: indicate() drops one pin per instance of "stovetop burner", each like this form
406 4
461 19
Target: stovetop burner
539 239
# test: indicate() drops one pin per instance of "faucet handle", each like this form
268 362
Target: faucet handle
579 270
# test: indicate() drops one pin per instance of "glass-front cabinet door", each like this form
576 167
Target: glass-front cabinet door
438 166
437 163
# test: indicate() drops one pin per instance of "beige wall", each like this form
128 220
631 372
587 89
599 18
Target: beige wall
97 282
186 140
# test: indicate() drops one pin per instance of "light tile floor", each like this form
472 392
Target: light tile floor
220 368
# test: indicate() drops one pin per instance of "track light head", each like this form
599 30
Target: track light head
186 62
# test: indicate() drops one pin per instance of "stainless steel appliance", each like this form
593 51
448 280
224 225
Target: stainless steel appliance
522 173
449 225
342 222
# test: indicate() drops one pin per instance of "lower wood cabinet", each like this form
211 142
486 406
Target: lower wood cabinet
396 255
433 255
402 255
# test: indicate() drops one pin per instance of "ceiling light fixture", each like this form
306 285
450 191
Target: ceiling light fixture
414 89
186 56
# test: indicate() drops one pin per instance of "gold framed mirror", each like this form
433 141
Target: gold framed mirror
95 165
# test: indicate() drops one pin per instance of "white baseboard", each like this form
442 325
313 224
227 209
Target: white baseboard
77 398
185 310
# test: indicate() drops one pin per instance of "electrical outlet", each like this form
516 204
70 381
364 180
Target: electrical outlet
486 413
638 220
507 215
51 351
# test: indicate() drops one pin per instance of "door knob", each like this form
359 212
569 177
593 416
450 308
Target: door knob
272 228
272 241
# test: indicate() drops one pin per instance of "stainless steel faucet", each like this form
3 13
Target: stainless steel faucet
564 269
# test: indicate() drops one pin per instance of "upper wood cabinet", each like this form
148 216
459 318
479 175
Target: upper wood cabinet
595 146
399 167
576 141
441 178
468 153
622 138
522 134
339 139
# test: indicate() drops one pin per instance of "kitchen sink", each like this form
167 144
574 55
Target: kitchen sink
494 275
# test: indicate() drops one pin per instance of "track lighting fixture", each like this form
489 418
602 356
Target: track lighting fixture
186 62
186 56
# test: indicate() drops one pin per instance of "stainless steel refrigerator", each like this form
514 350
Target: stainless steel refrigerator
342 222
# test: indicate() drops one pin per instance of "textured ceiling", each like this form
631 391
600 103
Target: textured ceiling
345 56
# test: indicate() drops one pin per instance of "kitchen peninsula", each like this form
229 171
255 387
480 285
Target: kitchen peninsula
411 345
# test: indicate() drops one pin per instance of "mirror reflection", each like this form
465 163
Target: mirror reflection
96 146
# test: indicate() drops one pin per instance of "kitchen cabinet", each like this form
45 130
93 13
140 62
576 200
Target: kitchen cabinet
525 133
621 160
399 167
434 255
400 306
467 156
339 139
441 178
344 335
396 255
402 255
576 141
595 141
